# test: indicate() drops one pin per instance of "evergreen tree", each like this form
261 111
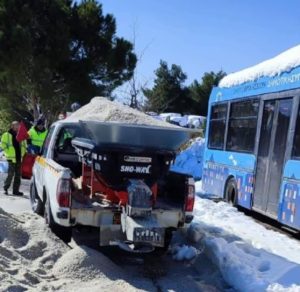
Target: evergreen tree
55 52
169 93
200 92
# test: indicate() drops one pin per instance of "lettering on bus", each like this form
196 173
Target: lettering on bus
284 80
254 86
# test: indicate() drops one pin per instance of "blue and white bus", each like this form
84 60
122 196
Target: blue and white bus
252 150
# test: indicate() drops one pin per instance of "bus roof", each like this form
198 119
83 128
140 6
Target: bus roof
277 74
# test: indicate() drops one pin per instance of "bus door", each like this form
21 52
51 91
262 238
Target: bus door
271 153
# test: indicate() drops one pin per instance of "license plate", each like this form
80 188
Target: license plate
154 236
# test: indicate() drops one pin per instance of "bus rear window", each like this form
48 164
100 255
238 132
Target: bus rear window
242 126
217 126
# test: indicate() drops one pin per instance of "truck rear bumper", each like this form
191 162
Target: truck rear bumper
111 229
99 217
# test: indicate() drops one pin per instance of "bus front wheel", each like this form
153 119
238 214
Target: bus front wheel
231 192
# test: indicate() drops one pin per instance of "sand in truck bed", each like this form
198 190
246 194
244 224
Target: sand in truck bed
103 110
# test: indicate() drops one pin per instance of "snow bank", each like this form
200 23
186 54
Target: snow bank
198 187
280 288
103 110
284 62
221 217
33 259
249 256
184 252
190 160
250 269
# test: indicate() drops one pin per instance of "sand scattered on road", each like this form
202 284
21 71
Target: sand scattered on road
32 258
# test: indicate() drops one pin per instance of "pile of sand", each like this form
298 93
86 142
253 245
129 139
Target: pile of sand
103 110
28 251
87 264
32 258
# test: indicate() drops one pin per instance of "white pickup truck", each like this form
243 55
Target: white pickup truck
113 177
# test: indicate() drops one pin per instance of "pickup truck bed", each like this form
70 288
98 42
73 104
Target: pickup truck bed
125 187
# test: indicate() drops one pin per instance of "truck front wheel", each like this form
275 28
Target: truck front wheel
64 233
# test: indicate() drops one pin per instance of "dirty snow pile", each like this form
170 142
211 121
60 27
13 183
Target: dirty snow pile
284 62
103 110
249 256
189 161
184 252
33 259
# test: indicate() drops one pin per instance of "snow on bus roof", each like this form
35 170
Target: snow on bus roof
283 62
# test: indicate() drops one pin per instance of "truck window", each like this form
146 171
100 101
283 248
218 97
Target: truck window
65 136
47 142
64 153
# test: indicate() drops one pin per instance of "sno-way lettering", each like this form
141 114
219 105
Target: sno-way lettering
135 169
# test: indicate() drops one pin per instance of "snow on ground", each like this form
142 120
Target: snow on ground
190 160
184 252
249 256
284 62
13 204
103 110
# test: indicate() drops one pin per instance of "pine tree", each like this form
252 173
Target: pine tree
55 52
169 93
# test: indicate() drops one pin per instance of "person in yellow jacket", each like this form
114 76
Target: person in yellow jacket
37 136
14 152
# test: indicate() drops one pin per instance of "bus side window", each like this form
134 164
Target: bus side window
296 144
242 126
217 126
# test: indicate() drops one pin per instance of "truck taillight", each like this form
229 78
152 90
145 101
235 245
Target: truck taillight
190 196
63 193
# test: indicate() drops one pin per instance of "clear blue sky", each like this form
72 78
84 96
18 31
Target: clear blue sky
209 35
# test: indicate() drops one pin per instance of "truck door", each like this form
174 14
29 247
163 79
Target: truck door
271 153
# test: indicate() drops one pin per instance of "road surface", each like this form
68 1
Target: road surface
165 273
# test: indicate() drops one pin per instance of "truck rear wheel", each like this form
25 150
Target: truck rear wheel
231 192
64 233
37 205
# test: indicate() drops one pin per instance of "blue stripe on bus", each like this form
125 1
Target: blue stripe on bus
220 165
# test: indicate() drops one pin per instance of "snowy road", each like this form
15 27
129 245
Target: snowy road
250 256
14 204
236 248
149 273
